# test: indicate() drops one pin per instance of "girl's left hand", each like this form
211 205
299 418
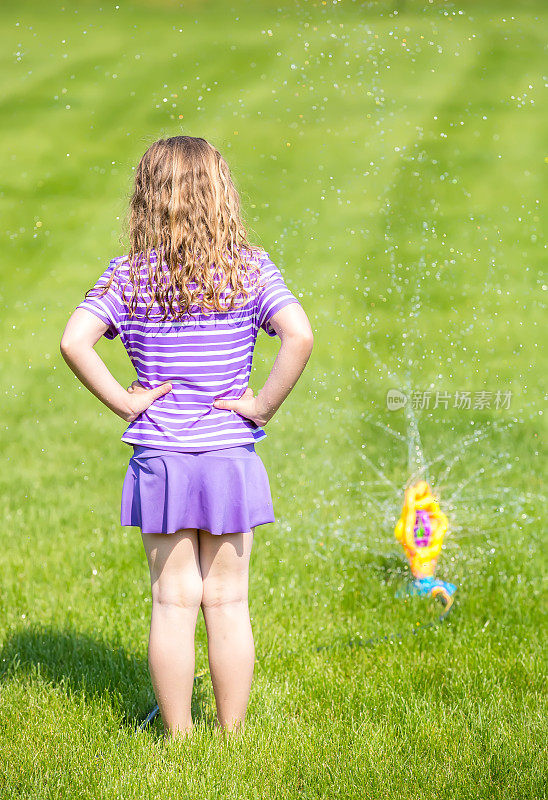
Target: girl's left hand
135 387
142 398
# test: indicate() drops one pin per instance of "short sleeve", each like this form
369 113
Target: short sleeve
109 306
273 296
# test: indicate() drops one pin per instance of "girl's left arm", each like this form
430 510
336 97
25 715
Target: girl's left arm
82 332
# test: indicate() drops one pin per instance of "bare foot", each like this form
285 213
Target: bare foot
179 733
222 730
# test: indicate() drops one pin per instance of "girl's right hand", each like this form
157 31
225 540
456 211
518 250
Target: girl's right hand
247 406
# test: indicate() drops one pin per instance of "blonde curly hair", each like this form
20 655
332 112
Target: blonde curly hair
186 208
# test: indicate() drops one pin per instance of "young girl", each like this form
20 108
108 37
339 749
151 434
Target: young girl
187 302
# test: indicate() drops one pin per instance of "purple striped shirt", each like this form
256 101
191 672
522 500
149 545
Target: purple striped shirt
203 356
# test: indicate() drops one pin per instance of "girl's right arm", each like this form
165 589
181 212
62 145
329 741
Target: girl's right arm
293 327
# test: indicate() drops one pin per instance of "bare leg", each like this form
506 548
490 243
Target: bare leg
176 584
224 563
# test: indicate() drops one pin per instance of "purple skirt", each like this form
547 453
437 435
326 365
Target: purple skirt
220 491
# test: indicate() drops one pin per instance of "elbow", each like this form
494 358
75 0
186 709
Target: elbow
302 340
308 341
73 345
64 345
298 337
308 335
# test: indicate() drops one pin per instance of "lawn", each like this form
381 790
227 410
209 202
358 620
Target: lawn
391 158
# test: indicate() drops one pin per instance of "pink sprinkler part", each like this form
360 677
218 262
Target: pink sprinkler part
422 529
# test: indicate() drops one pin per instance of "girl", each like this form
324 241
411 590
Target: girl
187 302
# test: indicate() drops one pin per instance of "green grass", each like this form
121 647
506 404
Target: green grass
399 186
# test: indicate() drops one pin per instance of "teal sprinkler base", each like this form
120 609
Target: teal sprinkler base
429 587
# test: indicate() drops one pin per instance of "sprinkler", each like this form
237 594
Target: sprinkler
420 530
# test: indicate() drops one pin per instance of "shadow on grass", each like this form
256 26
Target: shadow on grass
84 665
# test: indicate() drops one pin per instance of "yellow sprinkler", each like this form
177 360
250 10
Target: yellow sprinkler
420 530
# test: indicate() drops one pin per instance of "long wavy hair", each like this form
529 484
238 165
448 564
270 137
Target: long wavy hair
186 210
